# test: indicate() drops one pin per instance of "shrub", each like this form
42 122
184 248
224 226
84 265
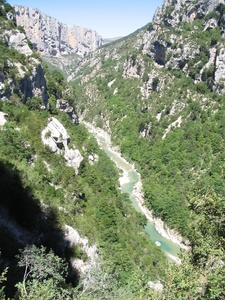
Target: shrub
212 15
155 83
34 103
150 27
201 87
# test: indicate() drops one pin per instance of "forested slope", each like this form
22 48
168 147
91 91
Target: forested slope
160 95
41 196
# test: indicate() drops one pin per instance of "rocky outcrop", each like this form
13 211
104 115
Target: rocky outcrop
18 41
65 106
168 49
171 14
74 239
27 85
164 43
14 38
2 118
27 75
156 286
57 139
92 158
220 67
52 38
174 11
35 84
132 68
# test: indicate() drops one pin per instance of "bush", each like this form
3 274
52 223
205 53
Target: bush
150 27
212 15
34 103
155 83
201 87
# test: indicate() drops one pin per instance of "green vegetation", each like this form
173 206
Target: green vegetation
91 202
175 137
98 211
168 121
5 8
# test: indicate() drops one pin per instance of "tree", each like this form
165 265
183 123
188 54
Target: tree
155 83
40 267
52 105
46 290
3 278
34 103
57 76
182 281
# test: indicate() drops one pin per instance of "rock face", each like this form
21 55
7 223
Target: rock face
64 105
220 66
52 38
165 44
2 118
57 139
26 76
19 42
33 85
174 11
73 238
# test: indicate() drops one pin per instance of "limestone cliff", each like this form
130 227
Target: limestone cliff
52 38
65 106
22 72
56 137
167 44
181 34
174 11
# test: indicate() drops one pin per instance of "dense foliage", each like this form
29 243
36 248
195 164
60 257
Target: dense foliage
168 119
173 158
94 205
47 194
167 115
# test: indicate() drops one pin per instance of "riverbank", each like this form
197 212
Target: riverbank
138 193
160 225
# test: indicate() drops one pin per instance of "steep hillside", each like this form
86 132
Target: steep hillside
21 71
155 91
160 94
60 203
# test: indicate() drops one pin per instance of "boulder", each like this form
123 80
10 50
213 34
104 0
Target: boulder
55 136
156 286
2 118
19 42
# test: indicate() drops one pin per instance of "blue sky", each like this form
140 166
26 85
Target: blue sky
110 18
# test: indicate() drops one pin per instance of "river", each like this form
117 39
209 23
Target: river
128 182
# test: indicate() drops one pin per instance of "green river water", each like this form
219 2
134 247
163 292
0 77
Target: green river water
166 245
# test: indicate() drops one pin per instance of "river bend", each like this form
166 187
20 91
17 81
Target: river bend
128 184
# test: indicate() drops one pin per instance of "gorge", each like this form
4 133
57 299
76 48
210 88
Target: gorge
70 199
130 183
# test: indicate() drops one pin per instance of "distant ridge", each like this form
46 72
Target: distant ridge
110 40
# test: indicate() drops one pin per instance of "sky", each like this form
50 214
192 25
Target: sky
109 18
